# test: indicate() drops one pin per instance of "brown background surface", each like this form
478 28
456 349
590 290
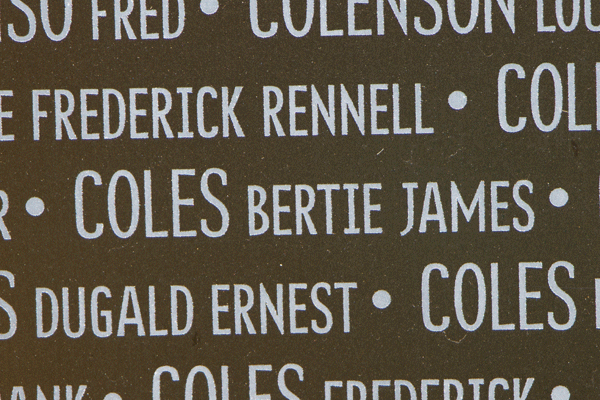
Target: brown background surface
467 147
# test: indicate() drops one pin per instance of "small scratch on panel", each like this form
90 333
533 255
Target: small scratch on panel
116 248
483 52
455 341
453 154
380 151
